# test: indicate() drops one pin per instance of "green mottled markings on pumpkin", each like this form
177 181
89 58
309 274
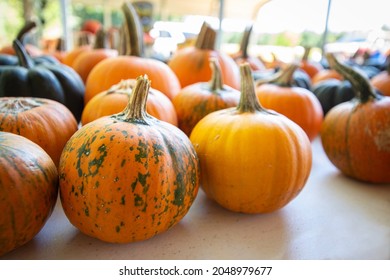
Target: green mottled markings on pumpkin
83 150
180 191
98 161
142 151
112 137
123 162
158 150
138 200
86 211
123 200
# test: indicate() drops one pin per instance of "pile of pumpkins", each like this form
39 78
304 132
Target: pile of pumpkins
128 142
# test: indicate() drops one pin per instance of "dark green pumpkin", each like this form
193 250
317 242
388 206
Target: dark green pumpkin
299 78
333 92
46 80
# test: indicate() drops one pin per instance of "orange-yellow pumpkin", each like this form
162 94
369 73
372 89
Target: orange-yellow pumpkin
252 160
115 99
129 176
28 190
355 134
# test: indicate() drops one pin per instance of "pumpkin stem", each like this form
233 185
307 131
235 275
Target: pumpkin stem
101 41
305 56
24 58
245 41
206 38
363 89
19 104
249 102
28 26
123 87
283 78
133 31
216 78
135 110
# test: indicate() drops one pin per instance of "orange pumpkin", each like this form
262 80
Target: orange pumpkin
112 70
197 100
117 97
381 81
297 103
28 190
46 122
191 64
129 176
244 150
355 134
325 75
85 61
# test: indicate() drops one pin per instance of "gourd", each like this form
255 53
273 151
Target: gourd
131 64
195 101
129 176
46 122
28 190
244 150
355 134
45 80
191 63
296 103
117 97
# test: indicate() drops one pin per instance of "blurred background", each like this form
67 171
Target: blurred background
281 28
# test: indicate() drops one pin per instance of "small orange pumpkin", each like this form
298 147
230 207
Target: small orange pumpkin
197 100
129 176
115 99
28 190
191 64
297 103
131 64
244 150
46 122
309 66
355 134
85 61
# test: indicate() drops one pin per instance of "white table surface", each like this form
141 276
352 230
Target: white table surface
334 217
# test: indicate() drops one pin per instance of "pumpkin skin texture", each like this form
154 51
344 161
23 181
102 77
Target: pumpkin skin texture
296 103
45 122
197 100
191 64
355 134
28 190
115 99
128 177
131 64
242 152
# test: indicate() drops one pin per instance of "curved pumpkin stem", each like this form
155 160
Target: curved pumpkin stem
305 56
283 78
362 86
206 38
133 30
23 57
245 41
216 78
249 102
135 110
28 26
